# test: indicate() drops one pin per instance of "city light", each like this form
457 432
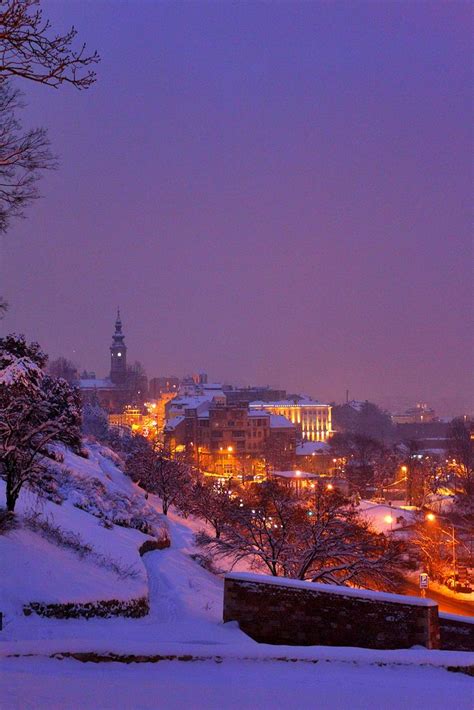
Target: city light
388 519
329 486
430 517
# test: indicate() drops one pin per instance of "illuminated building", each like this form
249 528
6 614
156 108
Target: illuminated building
421 414
313 419
228 440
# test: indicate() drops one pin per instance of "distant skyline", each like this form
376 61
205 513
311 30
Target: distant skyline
275 193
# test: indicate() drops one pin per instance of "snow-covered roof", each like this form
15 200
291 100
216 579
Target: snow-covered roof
329 588
297 475
188 402
257 413
308 448
174 422
305 402
96 384
278 421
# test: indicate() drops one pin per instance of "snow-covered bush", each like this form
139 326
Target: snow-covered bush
58 483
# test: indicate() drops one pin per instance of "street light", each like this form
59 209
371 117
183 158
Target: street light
431 517
389 520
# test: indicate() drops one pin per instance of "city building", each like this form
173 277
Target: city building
112 393
421 414
229 439
163 385
315 457
311 418
252 394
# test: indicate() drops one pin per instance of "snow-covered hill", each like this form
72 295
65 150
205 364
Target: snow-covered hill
224 668
83 548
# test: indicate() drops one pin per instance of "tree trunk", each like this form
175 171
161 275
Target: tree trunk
12 495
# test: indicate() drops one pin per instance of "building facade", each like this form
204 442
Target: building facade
229 440
312 419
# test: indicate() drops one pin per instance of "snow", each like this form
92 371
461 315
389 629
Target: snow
174 685
227 669
278 421
378 515
330 588
308 448
296 475
34 569
174 422
96 384
21 371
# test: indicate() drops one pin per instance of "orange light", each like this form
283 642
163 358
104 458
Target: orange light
404 469
430 517
388 519
329 486
230 449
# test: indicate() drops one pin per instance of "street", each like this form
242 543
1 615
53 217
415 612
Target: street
446 604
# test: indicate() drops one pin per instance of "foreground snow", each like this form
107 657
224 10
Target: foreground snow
40 683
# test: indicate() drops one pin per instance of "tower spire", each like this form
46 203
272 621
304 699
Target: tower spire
118 353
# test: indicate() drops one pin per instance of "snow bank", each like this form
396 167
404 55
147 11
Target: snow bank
330 589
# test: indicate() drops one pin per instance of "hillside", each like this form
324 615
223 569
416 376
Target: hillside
224 667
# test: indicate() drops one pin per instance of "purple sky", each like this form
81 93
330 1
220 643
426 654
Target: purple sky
276 193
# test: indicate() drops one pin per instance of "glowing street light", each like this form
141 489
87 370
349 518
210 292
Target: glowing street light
431 517
330 487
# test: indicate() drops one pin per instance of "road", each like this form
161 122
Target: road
446 604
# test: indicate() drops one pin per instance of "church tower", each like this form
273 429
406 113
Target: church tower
118 354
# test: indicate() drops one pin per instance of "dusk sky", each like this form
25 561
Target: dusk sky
274 193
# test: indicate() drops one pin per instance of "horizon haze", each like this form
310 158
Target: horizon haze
272 193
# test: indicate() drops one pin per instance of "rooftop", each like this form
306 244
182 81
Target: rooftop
308 448
95 384
304 402
278 421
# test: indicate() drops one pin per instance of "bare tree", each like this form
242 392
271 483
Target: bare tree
62 367
23 156
156 472
461 450
318 537
29 50
210 501
261 527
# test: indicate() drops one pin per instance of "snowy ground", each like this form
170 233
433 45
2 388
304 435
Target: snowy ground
385 518
227 669
38 683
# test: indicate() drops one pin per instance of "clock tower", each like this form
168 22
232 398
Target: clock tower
118 354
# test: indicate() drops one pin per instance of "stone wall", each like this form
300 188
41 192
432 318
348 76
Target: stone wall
133 608
282 611
457 633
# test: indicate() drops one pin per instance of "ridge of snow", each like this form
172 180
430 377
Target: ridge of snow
362 594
